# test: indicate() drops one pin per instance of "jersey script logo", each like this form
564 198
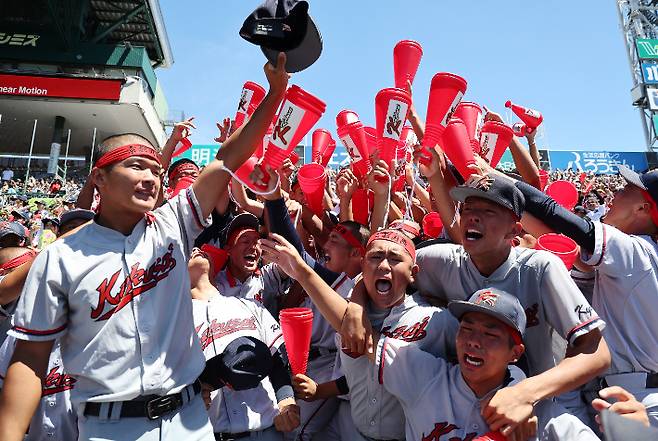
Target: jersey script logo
57 381
407 333
445 428
216 330
137 282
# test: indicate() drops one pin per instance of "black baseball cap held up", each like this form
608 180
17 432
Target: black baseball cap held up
284 26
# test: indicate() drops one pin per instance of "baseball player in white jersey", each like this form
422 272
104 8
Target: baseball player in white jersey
624 256
444 401
489 221
15 263
236 413
116 294
388 268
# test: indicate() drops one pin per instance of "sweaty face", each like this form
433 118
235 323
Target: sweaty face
483 349
131 185
337 253
245 252
387 271
486 226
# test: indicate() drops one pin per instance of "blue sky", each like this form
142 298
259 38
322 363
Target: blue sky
565 59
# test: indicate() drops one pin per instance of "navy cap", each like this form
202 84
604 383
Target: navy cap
242 220
494 188
7 228
646 181
77 213
284 26
242 365
22 214
496 303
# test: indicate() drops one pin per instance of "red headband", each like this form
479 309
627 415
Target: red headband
395 236
125 152
346 234
402 225
18 260
654 209
184 167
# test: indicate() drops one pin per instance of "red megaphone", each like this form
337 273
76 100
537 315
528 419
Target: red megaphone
495 139
531 118
432 225
457 147
296 326
299 113
406 59
182 146
391 106
362 203
345 117
519 129
312 178
353 137
471 114
323 147
446 92
371 139
251 96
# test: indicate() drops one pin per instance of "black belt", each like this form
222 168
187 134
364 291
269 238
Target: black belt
314 353
224 436
651 383
150 406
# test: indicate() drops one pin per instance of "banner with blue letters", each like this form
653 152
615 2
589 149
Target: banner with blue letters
599 162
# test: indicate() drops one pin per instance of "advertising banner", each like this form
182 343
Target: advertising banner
599 162
55 87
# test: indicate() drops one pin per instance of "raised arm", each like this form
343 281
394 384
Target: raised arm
241 144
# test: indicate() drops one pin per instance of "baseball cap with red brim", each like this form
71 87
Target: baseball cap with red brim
646 181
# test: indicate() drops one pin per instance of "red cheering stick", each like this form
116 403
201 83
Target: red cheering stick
353 137
391 106
457 147
312 180
299 113
296 326
250 97
520 129
406 59
323 147
446 92
495 139
471 114
531 118
182 146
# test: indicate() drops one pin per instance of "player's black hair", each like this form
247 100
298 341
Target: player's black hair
359 231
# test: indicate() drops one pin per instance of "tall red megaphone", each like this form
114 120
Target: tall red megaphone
519 129
345 117
531 118
296 326
391 106
250 97
406 59
323 147
457 146
182 146
260 149
495 139
246 169
299 113
353 137
312 178
362 203
371 139
471 114
446 92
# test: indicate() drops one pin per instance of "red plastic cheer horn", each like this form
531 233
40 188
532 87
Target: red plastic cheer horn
353 137
519 129
323 147
312 179
251 96
182 146
245 171
406 59
543 179
564 193
299 113
345 117
446 92
432 225
296 326
457 147
362 203
294 157
496 136
371 139
391 107
531 118
471 114
562 246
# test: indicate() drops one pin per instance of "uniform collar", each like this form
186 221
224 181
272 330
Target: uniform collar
234 281
502 271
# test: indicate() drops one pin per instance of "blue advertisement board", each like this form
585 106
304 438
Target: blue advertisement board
597 161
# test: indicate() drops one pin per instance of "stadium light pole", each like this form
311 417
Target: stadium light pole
29 158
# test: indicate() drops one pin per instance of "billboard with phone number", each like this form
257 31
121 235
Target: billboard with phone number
599 162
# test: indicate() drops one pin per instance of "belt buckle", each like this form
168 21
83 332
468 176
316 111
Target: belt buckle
157 407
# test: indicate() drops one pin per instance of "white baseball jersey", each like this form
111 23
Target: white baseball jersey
218 322
55 417
439 405
264 286
540 281
626 295
120 305
375 412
